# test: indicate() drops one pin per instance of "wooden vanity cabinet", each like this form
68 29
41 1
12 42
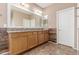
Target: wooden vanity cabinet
32 39
17 42
22 41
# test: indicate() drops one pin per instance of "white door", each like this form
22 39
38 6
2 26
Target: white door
78 29
65 26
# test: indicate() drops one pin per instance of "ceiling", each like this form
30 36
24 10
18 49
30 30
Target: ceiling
43 5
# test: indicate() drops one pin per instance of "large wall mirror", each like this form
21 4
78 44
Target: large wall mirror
24 19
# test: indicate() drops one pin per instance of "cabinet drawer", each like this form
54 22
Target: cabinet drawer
40 32
17 34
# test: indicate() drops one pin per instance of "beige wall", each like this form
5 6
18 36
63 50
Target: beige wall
3 14
78 5
51 12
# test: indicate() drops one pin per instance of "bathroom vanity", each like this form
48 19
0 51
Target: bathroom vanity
20 41
23 39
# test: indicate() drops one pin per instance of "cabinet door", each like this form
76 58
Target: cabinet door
13 45
35 38
24 41
46 36
32 39
17 42
40 37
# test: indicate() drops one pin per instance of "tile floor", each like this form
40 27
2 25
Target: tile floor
3 51
51 48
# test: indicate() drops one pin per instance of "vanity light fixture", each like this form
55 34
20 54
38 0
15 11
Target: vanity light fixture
38 12
46 17
25 5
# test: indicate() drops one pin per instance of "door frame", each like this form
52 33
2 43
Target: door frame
75 27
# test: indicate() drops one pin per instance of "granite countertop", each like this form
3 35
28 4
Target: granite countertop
24 30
